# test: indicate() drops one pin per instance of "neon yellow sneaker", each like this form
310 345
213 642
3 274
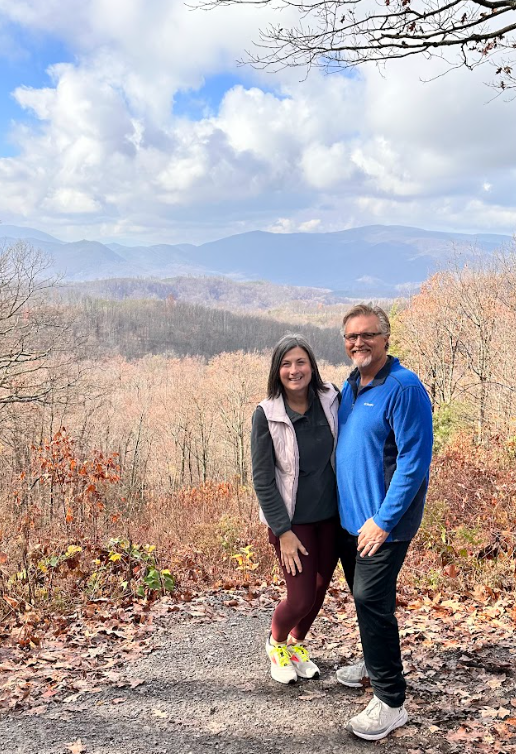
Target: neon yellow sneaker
301 661
282 669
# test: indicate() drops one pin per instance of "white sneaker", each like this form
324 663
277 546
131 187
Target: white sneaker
377 720
353 675
301 661
282 669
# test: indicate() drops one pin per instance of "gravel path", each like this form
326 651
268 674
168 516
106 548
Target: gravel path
205 688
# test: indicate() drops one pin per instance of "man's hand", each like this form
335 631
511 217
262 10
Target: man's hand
290 547
370 538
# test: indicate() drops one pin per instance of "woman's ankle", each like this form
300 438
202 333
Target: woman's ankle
276 642
292 640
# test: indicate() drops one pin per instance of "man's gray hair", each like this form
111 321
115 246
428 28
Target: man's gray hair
364 310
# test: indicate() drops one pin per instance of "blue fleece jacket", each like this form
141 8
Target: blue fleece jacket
384 450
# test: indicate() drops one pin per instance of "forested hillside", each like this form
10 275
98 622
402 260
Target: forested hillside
216 292
134 328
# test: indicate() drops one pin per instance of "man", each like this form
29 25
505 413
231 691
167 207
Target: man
383 458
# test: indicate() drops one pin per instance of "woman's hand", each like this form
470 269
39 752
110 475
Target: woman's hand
290 547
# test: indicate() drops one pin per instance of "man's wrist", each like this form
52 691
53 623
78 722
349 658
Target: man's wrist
381 524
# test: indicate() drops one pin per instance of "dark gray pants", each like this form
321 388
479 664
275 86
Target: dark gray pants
374 591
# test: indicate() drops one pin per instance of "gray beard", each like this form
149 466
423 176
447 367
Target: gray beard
362 362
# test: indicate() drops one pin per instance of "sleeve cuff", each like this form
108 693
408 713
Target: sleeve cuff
281 531
382 524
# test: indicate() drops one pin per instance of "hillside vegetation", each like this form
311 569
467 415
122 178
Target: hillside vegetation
217 292
134 328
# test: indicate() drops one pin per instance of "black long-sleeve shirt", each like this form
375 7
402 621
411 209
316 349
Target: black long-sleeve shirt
316 498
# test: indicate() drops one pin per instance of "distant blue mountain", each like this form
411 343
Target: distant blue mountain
376 260
14 232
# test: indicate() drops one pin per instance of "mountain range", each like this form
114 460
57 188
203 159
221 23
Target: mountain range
375 260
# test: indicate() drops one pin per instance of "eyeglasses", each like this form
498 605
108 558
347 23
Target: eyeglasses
353 337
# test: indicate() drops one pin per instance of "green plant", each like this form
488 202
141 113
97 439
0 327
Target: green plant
133 568
246 560
228 532
448 422
36 580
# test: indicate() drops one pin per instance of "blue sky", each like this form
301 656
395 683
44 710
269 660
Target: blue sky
25 64
197 104
130 121
30 55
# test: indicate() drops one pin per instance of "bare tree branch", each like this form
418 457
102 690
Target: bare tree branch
37 355
337 34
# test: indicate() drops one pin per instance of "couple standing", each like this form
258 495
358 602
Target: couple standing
370 450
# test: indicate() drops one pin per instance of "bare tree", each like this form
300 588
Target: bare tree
457 333
336 34
36 351
237 382
432 330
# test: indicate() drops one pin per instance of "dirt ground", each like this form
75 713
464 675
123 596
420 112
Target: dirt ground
205 687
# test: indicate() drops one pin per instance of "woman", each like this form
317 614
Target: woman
292 445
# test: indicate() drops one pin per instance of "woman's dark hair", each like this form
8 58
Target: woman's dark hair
287 343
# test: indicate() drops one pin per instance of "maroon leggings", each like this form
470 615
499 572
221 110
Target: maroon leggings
306 590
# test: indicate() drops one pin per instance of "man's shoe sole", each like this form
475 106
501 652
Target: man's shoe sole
382 734
359 683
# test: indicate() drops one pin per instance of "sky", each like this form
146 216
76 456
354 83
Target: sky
131 121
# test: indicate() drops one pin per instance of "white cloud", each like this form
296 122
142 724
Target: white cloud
108 156
445 212
326 166
309 226
287 225
72 201
444 130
